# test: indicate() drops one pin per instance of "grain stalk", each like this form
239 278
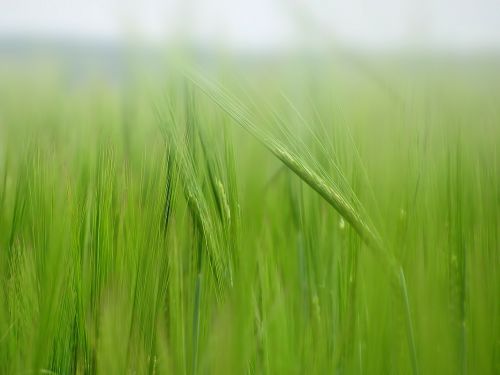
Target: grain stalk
329 192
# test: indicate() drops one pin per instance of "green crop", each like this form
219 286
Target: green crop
275 218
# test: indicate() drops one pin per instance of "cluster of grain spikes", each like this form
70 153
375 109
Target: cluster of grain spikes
211 200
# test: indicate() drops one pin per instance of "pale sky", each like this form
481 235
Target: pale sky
264 24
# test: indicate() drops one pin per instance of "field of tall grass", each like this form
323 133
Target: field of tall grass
272 218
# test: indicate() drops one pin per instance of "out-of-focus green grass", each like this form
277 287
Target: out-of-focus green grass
143 231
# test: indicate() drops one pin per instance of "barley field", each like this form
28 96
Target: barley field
282 217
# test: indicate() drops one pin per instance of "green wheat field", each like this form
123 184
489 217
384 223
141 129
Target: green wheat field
279 217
